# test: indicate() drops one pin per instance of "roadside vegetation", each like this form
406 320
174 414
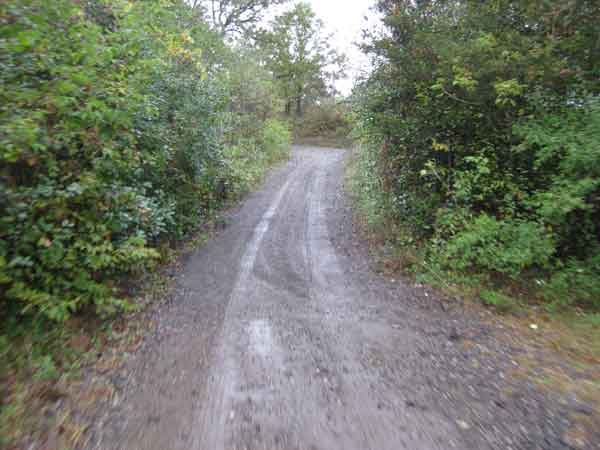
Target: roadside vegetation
327 124
124 126
301 57
479 155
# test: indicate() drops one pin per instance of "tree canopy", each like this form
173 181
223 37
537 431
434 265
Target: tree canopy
301 57
235 16
121 128
482 121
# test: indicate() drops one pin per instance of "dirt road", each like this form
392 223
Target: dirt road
282 337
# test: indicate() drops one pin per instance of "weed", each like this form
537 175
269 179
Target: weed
500 302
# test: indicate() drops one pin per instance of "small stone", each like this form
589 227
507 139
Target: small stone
500 404
575 438
582 408
454 335
533 326
463 425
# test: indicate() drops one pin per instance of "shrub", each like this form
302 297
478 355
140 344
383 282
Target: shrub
508 247
567 163
578 283
365 185
247 160
111 140
328 121
67 223
275 140
497 300
485 120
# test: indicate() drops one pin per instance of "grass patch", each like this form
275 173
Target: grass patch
500 302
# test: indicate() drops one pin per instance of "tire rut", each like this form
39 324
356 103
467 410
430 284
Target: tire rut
282 337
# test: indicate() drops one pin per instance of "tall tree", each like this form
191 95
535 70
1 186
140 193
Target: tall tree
234 16
300 56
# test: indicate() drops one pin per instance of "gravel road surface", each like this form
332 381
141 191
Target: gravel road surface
281 336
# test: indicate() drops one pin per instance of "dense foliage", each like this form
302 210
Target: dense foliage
326 123
239 17
117 133
301 57
481 132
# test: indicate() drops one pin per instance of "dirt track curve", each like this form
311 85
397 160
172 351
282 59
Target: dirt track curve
282 337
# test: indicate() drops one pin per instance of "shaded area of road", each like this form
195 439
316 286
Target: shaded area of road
281 337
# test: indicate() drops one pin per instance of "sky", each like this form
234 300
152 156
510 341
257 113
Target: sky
346 19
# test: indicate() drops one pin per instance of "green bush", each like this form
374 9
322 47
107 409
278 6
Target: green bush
567 163
249 158
275 141
485 121
500 302
67 222
366 187
577 283
327 118
112 135
508 247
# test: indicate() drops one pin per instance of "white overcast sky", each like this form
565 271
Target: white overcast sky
346 19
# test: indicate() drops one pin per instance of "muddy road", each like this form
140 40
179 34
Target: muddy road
281 336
